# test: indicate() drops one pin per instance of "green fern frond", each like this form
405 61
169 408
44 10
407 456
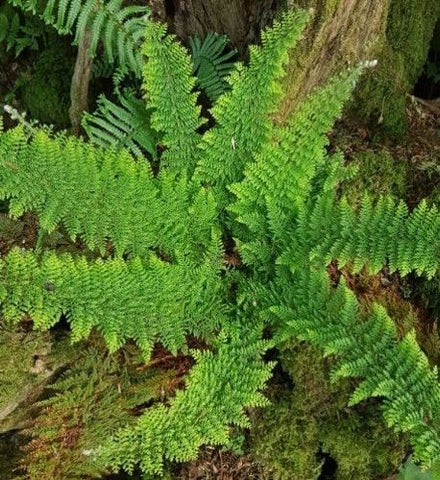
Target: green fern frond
150 300
271 196
119 28
127 125
368 349
378 234
102 196
242 114
169 84
211 64
218 389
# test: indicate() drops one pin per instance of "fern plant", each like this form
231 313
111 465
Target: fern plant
156 268
120 29
126 125
19 32
212 64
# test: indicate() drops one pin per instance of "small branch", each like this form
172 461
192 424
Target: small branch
79 90
432 105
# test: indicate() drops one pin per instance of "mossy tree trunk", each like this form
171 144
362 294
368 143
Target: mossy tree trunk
340 33
401 50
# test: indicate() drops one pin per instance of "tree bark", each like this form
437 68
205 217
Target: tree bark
79 90
240 20
340 33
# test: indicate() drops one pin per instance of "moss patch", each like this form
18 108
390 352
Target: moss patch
401 54
311 420
45 90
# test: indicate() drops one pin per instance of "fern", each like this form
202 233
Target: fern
146 301
369 349
126 125
377 234
120 29
210 64
167 75
274 189
290 225
242 115
103 195
19 32
223 381
129 125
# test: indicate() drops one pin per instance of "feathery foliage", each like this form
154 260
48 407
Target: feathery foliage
120 29
368 349
211 64
223 382
242 115
126 125
146 301
169 81
274 189
103 195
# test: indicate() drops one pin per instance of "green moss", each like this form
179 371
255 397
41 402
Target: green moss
286 443
311 419
378 173
45 90
361 445
381 94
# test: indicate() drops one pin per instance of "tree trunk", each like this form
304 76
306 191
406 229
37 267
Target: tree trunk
240 20
79 90
340 33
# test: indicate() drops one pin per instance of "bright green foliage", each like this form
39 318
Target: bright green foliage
165 232
127 125
369 349
376 233
169 81
141 300
242 118
217 389
280 179
94 396
103 195
211 64
120 29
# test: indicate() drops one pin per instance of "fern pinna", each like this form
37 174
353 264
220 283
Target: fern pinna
156 270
